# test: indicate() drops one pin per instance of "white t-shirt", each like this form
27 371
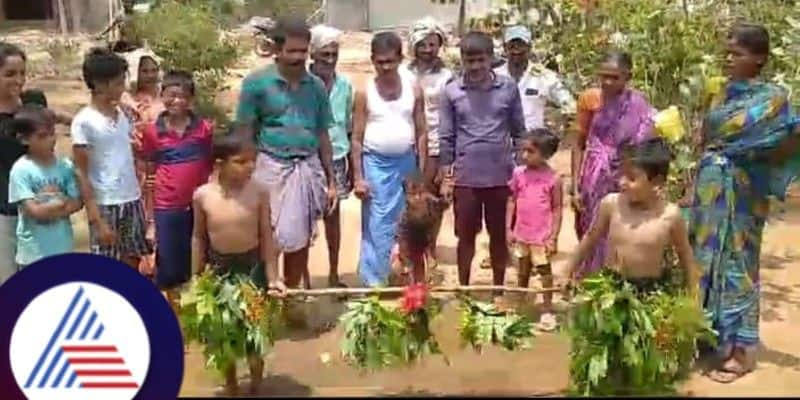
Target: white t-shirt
432 85
111 169
390 124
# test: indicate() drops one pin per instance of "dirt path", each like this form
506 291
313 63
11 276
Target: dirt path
295 367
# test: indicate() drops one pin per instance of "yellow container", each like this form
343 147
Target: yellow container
669 124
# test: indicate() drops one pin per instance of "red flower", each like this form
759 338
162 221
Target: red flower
414 297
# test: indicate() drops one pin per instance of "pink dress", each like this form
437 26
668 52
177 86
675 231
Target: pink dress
533 191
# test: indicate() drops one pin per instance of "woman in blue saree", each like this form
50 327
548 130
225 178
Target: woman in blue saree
748 124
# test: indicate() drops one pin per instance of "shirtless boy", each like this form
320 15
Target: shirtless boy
232 230
640 222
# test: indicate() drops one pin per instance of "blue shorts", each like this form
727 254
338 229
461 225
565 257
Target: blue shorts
173 247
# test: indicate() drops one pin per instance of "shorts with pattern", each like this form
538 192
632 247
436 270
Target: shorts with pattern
128 222
341 173
536 254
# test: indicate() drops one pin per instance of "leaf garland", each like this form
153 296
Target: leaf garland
483 324
230 317
625 343
376 336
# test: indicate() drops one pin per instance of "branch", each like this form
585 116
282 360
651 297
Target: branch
399 290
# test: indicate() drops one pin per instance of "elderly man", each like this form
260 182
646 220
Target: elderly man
287 112
324 56
426 40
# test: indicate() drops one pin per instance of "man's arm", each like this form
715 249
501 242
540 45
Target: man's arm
199 234
680 241
359 126
267 240
247 110
516 118
420 126
447 132
324 122
596 232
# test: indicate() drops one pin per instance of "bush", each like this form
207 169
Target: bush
188 37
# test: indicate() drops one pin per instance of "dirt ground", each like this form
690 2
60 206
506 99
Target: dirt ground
296 367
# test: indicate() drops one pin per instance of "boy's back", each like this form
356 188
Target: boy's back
31 181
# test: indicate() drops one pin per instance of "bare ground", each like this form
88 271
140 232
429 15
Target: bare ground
296 369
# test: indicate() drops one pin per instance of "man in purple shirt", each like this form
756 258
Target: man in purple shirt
480 114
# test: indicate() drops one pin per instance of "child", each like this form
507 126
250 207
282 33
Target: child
535 201
416 230
43 187
101 140
179 145
232 228
640 223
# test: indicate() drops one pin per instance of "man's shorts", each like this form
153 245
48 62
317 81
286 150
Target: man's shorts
130 227
536 254
341 172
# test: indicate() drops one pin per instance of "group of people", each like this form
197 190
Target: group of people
417 137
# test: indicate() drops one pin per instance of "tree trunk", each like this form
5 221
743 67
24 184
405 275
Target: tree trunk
76 10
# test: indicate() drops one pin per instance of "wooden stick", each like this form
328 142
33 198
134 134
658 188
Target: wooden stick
399 290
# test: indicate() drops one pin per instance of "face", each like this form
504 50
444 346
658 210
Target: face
740 63
477 67
517 51
531 154
42 143
325 59
293 54
386 62
613 79
427 50
12 76
111 90
239 167
177 100
635 184
148 72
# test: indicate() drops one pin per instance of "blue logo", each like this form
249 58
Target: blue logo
86 326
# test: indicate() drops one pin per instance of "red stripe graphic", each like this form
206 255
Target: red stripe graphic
96 360
101 372
109 385
69 349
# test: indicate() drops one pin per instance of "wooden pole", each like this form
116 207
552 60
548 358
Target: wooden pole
62 16
399 290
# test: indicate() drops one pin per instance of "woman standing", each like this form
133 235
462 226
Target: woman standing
608 118
750 152
388 123
144 103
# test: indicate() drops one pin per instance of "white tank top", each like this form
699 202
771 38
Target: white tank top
390 124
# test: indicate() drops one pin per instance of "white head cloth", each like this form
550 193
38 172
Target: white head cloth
421 29
323 35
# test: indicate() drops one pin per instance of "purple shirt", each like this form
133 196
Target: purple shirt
476 128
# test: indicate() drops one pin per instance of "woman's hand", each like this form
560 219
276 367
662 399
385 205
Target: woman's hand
575 202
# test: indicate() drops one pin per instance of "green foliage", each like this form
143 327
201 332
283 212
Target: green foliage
230 317
377 336
627 343
187 36
483 324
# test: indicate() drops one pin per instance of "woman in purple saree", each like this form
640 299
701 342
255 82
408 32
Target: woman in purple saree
608 118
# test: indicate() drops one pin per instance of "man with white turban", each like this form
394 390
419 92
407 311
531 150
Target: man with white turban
324 50
425 41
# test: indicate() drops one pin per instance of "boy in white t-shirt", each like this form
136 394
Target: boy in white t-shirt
101 139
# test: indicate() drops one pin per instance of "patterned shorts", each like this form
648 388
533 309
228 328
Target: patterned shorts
130 226
341 169
536 254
